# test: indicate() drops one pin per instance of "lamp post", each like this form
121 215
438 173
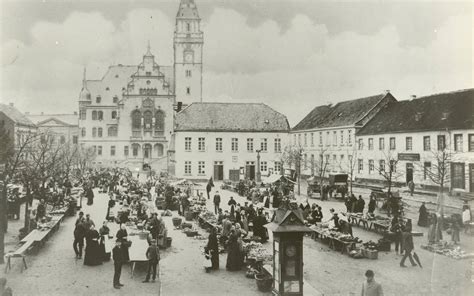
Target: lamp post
259 174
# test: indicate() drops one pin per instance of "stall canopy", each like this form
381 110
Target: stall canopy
272 179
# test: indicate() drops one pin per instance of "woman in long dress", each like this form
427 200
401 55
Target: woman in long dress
122 235
423 216
104 236
92 255
234 256
213 249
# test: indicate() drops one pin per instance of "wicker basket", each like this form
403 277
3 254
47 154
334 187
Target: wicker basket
264 282
176 221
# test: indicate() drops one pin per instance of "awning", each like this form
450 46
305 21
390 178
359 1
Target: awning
271 179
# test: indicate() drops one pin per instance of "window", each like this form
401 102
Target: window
188 73
409 143
63 139
457 175
471 142
277 167
112 131
312 139
371 143
263 145
250 144
98 99
136 119
441 142
299 139
187 167
94 132
458 142
342 138
187 144
75 139
82 114
305 139
219 144
201 168
393 166
360 144
100 115
294 139
148 119
83 132
235 145
112 150
278 145
125 150
360 165
94 115
426 143
114 114
371 166
263 166
349 137
381 166
334 138
305 161
135 148
160 122
99 132
426 170
107 88
115 99
392 143
328 139
188 90
381 143
99 150
201 144
320 138
148 73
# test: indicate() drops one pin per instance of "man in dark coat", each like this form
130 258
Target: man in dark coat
153 255
79 234
209 186
408 247
423 217
117 255
217 201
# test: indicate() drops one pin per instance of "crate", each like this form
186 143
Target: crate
372 254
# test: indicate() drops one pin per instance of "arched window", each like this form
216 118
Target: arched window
100 115
136 119
114 114
112 131
94 115
148 119
160 121
99 132
147 151
83 132
135 148
159 149
94 132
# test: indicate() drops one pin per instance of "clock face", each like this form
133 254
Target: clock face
290 250
188 57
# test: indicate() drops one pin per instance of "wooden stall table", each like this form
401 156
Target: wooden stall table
345 247
379 227
137 251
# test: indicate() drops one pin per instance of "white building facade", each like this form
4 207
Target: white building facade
224 141
60 128
418 137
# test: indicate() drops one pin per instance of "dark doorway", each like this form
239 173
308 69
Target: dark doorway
218 171
471 177
250 170
409 172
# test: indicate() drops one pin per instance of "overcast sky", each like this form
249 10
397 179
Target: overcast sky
292 55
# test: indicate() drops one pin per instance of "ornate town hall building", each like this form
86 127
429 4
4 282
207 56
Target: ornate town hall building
128 115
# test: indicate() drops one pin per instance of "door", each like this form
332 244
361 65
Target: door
218 171
250 170
409 172
471 177
147 151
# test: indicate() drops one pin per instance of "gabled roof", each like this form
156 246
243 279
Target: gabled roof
345 113
54 119
425 113
15 115
238 117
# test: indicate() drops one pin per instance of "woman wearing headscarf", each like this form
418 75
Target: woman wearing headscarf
212 248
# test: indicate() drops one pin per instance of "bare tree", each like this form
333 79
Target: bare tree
387 168
321 165
293 155
84 157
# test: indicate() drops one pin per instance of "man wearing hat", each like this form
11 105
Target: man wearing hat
117 255
371 287
153 255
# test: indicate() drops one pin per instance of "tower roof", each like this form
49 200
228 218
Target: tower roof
85 94
187 10
148 51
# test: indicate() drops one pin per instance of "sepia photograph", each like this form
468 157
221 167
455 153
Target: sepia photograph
236 147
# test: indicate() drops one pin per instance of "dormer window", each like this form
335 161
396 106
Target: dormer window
98 99
444 115
418 116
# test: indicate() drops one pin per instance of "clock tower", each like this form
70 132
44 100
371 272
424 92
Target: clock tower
188 42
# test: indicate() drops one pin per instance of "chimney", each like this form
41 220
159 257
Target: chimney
11 105
412 97
387 91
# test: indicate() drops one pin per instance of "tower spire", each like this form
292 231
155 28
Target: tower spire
148 51
84 81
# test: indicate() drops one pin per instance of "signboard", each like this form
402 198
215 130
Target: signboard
409 156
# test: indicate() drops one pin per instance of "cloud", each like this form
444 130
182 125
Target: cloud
292 69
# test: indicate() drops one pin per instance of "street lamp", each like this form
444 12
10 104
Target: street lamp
259 174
